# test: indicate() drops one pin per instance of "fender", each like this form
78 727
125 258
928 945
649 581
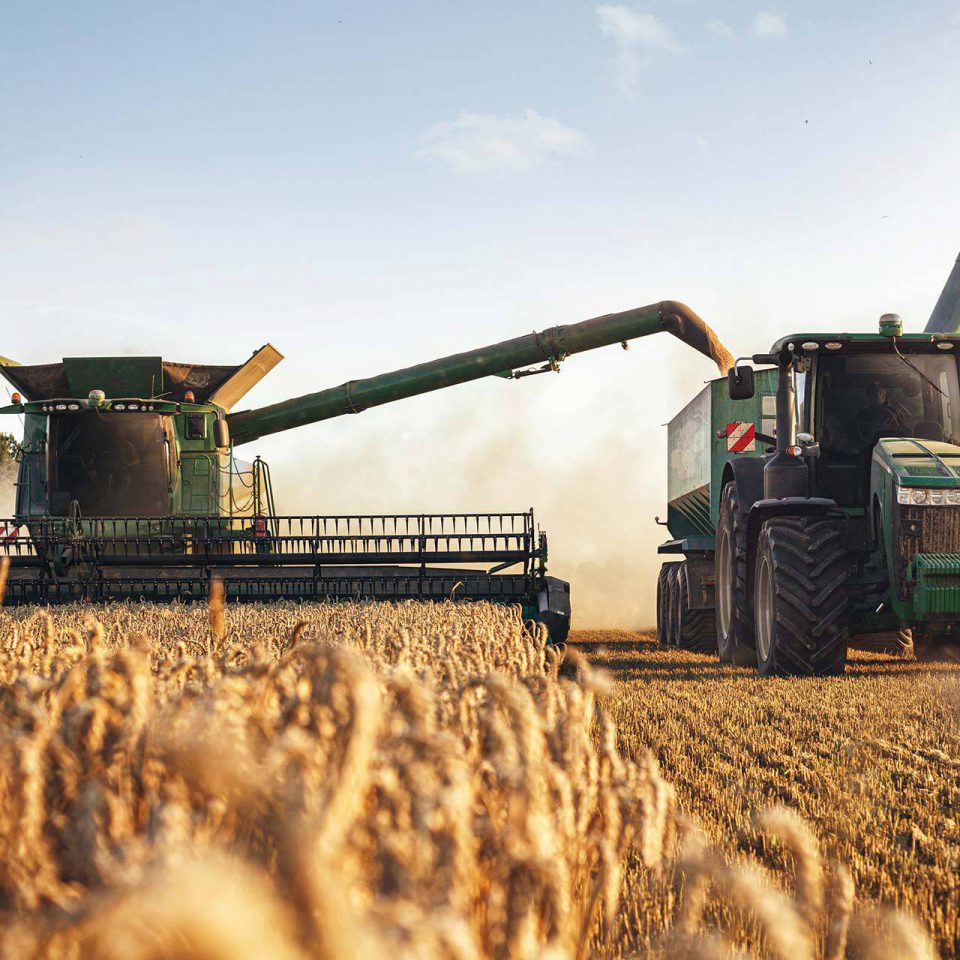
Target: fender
747 474
764 510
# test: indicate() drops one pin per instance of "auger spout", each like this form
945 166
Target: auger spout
946 314
507 359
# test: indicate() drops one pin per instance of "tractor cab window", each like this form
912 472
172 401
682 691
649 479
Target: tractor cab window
868 396
864 397
112 464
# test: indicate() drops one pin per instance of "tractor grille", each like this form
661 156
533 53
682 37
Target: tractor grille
931 529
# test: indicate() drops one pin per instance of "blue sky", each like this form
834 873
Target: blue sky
371 184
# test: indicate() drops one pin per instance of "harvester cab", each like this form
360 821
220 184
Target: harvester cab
134 437
816 502
128 486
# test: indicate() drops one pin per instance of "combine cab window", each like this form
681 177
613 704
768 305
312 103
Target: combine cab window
112 464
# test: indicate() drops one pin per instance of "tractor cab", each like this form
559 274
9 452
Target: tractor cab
852 392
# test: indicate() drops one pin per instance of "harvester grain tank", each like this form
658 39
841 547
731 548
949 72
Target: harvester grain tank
815 503
128 485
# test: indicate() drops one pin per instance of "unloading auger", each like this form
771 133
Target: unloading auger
128 486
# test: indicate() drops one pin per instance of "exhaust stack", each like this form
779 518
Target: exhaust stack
946 314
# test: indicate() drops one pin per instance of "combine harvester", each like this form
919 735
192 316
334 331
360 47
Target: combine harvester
816 503
128 487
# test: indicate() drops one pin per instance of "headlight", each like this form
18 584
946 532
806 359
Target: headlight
928 496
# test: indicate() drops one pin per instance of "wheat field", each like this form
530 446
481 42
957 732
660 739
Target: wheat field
870 760
420 780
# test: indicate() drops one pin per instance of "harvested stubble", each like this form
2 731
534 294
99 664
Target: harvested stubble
870 760
330 781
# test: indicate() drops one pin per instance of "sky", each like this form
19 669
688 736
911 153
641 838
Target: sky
370 185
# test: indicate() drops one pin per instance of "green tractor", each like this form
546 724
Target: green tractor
816 503
128 486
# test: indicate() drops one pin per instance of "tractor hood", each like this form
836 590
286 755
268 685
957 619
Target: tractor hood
920 463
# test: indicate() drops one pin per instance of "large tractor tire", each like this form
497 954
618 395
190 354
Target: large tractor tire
735 643
696 627
801 601
663 603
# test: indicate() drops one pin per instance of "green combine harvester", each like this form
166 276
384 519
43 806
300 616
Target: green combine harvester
128 487
816 503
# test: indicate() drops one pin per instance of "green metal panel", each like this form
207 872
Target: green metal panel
936 592
116 376
760 410
198 484
698 450
31 478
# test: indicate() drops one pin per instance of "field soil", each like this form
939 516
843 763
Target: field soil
871 759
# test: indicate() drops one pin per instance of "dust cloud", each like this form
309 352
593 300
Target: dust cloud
595 488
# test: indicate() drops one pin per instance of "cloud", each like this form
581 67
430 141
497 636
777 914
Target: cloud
482 142
721 28
637 35
632 29
766 25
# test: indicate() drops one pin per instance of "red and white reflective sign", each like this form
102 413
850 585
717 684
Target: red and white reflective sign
741 437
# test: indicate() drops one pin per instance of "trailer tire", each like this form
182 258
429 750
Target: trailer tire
735 642
663 603
696 627
801 595
673 603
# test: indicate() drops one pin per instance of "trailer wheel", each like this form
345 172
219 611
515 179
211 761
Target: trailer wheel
673 603
735 642
802 603
663 603
696 627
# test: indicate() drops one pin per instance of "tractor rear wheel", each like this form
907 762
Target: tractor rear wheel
735 642
663 603
696 627
801 597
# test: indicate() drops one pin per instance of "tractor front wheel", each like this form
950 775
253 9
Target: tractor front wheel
800 595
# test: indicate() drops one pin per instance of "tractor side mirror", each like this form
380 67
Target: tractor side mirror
221 433
740 382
